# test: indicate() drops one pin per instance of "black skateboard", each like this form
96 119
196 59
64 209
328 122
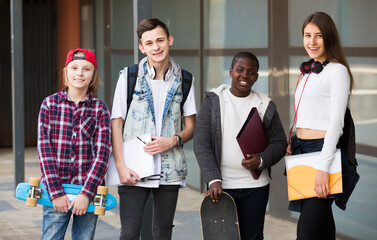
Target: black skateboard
219 220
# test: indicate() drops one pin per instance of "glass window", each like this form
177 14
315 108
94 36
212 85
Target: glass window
353 19
122 33
193 170
191 64
294 73
359 220
119 62
216 72
364 98
183 20
86 26
236 24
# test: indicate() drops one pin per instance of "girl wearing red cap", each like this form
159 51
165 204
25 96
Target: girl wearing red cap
73 147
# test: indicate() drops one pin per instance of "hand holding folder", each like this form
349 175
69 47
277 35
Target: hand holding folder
301 171
252 137
134 157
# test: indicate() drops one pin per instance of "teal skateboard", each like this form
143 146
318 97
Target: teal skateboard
35 193
219 220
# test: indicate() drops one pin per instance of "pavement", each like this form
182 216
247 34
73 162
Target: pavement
18 222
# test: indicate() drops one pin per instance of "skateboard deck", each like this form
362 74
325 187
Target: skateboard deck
36 193
219 220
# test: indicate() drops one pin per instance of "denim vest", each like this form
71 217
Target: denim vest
141 120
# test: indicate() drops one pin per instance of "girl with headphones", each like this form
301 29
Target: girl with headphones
320 102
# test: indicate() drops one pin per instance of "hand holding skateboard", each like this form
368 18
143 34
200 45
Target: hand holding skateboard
35 193
219 219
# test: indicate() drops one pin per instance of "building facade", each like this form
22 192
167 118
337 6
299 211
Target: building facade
208 33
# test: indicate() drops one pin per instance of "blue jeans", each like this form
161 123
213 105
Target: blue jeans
55 225
251 208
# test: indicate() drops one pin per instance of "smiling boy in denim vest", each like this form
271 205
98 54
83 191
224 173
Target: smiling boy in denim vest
155 110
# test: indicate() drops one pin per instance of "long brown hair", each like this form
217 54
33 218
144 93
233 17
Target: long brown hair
333 49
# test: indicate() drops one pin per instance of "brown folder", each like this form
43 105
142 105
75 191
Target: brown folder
252 137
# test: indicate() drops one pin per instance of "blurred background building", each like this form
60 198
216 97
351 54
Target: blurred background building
208 33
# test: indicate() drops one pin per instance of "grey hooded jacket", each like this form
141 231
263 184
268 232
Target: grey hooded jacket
208 137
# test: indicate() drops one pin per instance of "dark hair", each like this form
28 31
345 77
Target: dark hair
149 24
333 48
248 55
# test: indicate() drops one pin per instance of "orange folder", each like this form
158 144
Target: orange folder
301 171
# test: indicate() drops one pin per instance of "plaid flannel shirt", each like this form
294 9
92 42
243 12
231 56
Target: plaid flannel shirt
73 143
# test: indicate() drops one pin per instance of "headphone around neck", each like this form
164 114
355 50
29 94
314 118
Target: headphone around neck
152 72
313 66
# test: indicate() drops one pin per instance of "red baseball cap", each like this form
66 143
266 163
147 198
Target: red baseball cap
89 56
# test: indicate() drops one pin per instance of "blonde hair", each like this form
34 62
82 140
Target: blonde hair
93 86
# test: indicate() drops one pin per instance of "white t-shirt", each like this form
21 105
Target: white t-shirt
323 105
159 91
234 175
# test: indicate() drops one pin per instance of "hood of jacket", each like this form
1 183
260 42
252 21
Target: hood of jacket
262 105
175 68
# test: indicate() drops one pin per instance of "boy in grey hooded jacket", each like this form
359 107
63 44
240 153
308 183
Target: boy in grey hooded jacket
223 112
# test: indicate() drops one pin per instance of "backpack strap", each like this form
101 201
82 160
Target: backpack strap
186 86
132 71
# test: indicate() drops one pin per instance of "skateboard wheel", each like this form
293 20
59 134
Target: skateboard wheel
102 190
99 210
31 202
34 182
